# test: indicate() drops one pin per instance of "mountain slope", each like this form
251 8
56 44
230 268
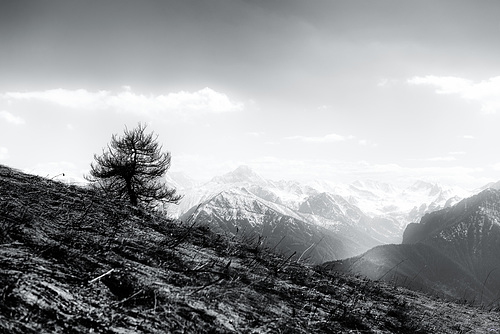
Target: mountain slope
453 251
237 211
376 212
74 261
418 267
468 233
332 207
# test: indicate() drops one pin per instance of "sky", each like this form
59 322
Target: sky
389 90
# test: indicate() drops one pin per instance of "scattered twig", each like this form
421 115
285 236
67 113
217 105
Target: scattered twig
99 277
183 237
15 243
281 265
207 285
127 299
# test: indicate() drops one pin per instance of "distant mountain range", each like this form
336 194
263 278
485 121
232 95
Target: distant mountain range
452 252
318 220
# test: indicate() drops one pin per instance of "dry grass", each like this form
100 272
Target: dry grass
164 276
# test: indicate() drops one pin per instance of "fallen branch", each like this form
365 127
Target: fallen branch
15 243
279 267
126 299
207 285
99 277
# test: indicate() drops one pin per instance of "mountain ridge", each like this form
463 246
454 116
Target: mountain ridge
371 203
466 239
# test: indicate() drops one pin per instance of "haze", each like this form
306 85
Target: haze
337 90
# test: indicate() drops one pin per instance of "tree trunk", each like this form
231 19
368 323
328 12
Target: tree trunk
131 193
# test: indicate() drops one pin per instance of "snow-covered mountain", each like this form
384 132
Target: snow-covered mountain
288 193
358 216
392 208
239 212
451 252
405 205
242 174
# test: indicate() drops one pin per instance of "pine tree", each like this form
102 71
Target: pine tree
133 167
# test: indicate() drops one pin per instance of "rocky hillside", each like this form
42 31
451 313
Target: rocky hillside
468 233
453 252
74 261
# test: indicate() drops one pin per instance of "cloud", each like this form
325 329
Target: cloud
445 158
255 134
364 142
75 99
205 100
324 107
395 173
330 138
205 167
382 82
446 85
348 171
487 92
468 137
450 157
11 118
386 82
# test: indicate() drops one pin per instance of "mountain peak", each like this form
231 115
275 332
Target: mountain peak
471 212
431 188
372 185
242 174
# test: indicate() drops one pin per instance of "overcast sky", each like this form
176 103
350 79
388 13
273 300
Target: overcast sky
389 90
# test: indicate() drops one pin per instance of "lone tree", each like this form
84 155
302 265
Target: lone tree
133 167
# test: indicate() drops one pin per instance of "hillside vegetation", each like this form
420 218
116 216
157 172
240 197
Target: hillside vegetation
74 261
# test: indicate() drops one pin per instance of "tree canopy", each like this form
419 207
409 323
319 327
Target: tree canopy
133 166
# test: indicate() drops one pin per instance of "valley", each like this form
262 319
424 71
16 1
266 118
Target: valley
324 221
